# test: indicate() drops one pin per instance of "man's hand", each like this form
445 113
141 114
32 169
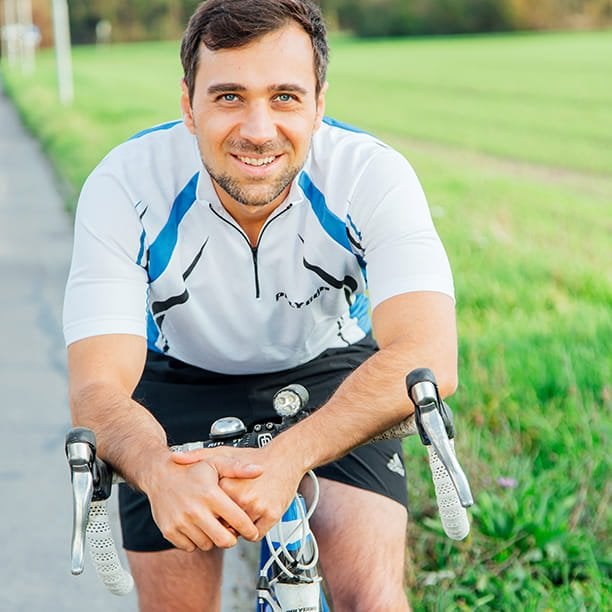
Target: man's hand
265 497
190 507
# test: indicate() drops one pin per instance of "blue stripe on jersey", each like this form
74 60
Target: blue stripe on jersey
363 265
360 310
355 229
142 249
360 259
342 125
162 248
332 224
156 128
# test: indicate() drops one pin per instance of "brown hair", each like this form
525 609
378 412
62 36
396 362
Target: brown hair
226 24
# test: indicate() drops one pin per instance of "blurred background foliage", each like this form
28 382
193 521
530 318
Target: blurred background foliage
420 17
138 20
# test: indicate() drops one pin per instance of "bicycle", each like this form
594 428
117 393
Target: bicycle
288 575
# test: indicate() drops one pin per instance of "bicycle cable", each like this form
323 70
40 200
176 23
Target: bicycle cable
279 554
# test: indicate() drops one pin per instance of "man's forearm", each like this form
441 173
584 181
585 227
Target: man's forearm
128 436
368 402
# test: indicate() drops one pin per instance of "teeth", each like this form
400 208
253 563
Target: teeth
251 161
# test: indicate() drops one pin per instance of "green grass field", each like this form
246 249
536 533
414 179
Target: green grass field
512 138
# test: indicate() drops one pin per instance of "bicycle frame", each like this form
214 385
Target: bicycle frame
291 534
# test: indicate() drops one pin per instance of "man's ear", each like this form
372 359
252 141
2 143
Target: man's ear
186 108
321 105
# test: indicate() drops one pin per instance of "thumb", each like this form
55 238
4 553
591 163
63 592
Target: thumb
226 466
232 467
191 456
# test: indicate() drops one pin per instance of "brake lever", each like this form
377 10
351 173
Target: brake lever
80 452
435 426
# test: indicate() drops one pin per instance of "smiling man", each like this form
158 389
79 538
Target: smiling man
254 118
253 244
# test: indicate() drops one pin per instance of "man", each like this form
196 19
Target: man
217 259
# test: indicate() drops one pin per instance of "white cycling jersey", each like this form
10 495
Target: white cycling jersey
157 255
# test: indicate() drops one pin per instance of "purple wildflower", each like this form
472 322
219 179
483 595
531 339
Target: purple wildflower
507 482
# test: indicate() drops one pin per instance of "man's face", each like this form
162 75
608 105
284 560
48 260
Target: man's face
254 111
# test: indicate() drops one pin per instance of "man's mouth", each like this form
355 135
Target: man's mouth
256 161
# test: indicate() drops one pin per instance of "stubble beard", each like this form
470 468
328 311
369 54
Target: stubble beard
245 194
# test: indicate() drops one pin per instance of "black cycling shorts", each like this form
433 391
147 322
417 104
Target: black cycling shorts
186 400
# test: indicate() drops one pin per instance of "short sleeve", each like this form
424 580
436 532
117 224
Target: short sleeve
106 292
393 225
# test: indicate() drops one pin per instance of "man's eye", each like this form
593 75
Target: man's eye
284 97
229 97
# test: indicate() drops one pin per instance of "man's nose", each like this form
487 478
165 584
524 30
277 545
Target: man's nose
258 125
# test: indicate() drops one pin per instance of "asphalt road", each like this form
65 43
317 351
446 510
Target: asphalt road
36 506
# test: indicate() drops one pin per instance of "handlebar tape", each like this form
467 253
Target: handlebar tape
104 552
452 514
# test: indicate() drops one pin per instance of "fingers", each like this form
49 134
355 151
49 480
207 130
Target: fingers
189 543
205 525
264 511
229 527
221 495
214 534
264 525
267 518
236 518
192 510
188 537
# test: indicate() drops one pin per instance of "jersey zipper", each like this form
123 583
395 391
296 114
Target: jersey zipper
254 249
255 268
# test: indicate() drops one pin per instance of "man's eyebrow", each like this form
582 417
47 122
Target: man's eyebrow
289 87
225 87
218 88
